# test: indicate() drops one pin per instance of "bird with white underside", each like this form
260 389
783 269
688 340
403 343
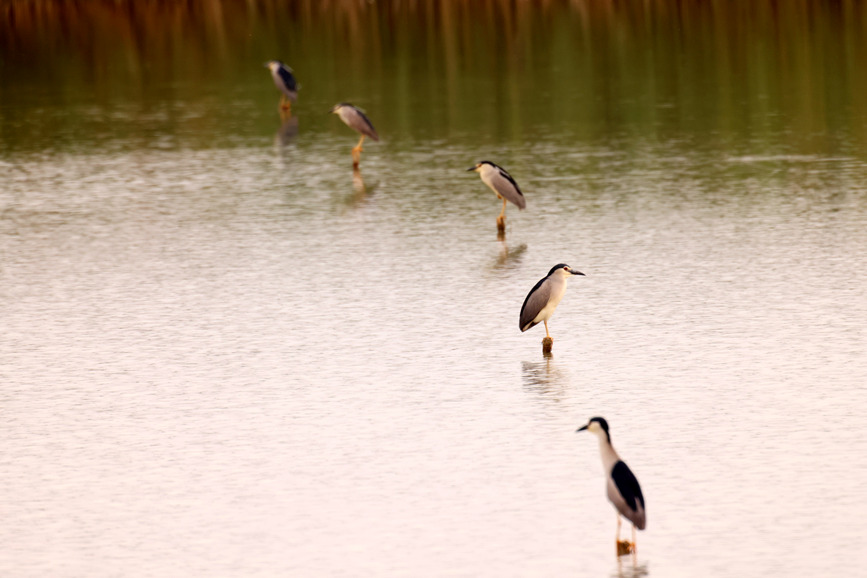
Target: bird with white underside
503 185
544 297
620 483
284 80
354 118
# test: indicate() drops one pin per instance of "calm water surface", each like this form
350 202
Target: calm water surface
223 354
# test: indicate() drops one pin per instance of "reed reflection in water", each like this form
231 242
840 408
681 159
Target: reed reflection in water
764 73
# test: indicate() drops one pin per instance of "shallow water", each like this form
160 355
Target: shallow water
225 354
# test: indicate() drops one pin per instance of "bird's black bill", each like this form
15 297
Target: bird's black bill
471 169
577 273
581 429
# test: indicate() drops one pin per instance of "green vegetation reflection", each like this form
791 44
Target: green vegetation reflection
751 77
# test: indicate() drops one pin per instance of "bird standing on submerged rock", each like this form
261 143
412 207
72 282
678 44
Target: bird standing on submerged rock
354 118
502 183
543 299
621 484
285 82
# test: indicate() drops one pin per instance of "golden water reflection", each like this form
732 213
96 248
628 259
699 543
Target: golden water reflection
759 73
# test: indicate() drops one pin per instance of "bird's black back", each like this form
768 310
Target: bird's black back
522 320
627 485
287 77
374 136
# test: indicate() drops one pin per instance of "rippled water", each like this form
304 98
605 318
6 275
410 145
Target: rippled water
240 359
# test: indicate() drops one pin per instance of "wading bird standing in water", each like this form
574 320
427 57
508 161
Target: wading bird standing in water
503 185
285 82
621 484
355 119
543 299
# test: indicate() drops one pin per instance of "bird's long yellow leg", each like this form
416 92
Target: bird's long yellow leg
501 220
634 547
356 152
618 527
358 146
549 335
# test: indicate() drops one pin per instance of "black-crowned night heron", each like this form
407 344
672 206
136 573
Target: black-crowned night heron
285 82
355 119
621 484
543 299
502 183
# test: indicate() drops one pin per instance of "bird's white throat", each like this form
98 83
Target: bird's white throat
487 172
606 452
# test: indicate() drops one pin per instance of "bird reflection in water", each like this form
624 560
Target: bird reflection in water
509 257
545 378
360 191
354 118
288 128
633 570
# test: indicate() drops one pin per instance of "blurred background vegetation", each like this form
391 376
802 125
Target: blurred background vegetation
737 73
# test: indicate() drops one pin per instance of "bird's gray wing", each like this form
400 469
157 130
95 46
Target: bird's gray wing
536 300
362 124
288 79
627 485
508 188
